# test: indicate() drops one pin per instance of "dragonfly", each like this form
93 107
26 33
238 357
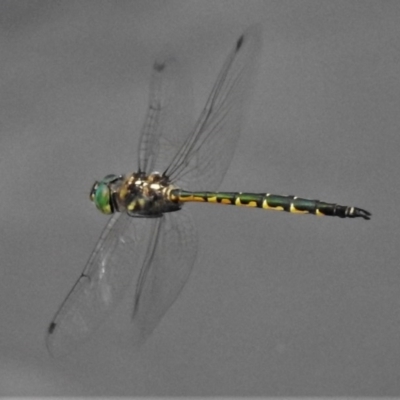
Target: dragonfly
150 241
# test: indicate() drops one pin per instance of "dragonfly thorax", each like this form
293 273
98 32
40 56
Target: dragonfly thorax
138 194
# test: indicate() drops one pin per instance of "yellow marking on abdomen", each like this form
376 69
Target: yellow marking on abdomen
294 210
198 198
265 206
189 198
225 201
238 202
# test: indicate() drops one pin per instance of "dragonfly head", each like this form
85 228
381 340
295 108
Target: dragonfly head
101 194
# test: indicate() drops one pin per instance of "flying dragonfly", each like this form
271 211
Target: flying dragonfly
150 241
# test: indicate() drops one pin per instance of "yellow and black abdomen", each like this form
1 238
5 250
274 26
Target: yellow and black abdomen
267 201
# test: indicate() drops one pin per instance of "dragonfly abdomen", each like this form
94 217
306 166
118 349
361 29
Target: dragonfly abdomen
268 201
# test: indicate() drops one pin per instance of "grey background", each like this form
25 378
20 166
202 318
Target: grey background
277 304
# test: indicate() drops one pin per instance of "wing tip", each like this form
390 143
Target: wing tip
239 42
252 34
51 328
159 66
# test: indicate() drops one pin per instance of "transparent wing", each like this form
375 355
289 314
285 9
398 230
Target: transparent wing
166 269
114 263
169 115
204 156
157 254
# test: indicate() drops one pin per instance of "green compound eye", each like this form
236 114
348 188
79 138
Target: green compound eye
101 194
102 197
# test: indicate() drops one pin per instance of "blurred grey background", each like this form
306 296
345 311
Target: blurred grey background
277 304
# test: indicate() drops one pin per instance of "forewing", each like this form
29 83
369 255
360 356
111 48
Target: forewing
169 115
165 272
203 159
115 261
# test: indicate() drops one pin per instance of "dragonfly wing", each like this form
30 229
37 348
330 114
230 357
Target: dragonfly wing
169 115
204 157
108 273
166 269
